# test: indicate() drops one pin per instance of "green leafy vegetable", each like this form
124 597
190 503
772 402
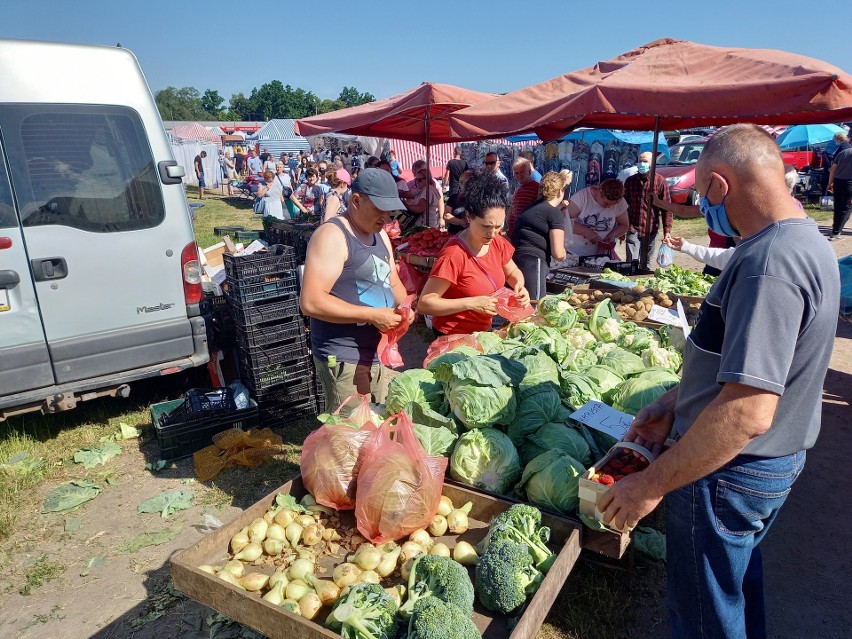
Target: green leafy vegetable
94 456
650 542
623 362
633 394
70 495
556 436
577 389
151 538
552 480
486 458
436 433
537 405
604 377
414 386
657 357
167 503
604 322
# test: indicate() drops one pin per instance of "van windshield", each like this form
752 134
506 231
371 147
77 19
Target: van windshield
89 167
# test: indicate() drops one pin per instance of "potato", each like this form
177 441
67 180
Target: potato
598 295
667 303
628 298
639 289
617 296
630 312
640 315
639 306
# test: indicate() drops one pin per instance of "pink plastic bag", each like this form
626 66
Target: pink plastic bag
412 279
332 456
392 229
509 307
358 407
447 343
388 349
399 486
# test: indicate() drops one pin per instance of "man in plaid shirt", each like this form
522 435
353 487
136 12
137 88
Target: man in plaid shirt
636 189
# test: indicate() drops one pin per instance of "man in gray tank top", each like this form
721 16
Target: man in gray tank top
350 289
750 401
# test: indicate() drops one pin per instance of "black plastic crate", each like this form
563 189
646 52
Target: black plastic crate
265 334
280 353
277 259
252 314
247 236
199 403
298 391
279 414
260 376
227 230
624 268
271 287
184 438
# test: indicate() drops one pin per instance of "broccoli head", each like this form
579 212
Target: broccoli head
365 612
522 524
505 575
435 619
441 577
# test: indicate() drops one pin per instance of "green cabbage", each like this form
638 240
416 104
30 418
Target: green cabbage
481 406
549 339
556 436
604 377
551 481
451 357
491 342
486 458
416 385
556 310
537 405
579 360
577 389
635 393
436 433
623 362
539 366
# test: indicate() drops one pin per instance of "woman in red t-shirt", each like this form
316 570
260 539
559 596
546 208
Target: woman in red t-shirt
473 265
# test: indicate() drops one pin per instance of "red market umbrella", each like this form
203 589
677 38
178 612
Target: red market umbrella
669 84
418 115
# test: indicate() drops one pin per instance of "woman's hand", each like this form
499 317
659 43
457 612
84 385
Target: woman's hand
674 242
522 295
483 304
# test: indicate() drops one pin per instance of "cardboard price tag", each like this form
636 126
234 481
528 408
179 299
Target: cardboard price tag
606 419
683 323
664 315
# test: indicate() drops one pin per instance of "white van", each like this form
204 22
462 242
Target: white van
99 275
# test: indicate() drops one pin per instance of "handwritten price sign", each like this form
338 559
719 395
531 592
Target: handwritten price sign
606 419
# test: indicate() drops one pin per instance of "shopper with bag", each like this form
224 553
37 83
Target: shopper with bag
350 290
645 220
474 265
270 196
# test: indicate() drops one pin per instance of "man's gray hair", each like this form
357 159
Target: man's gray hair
522 162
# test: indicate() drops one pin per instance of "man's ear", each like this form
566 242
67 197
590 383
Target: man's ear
719 186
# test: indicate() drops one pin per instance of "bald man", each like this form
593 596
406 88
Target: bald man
749 403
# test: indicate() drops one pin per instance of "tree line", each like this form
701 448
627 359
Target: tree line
271 100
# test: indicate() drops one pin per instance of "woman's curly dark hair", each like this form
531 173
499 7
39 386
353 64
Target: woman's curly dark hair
485 191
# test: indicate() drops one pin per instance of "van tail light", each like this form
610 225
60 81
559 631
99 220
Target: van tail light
191 268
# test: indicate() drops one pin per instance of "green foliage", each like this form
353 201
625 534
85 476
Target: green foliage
70 495
556 436
211 102
505 576
537 405
365 612
180 104
168 503
552 480
436 619
441 577
97 455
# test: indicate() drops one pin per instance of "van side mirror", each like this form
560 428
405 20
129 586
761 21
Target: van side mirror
170 172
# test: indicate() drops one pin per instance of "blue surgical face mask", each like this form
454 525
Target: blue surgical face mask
717 217
643 167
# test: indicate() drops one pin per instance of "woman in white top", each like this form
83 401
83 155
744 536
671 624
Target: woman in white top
273 193
598 216
335 201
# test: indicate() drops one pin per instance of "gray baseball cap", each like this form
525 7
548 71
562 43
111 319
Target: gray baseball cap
381 188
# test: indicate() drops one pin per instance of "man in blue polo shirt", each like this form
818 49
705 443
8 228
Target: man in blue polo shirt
750 401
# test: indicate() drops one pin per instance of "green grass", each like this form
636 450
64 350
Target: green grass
697 227
42 571
220 210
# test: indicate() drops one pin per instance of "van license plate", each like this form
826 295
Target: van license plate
4 300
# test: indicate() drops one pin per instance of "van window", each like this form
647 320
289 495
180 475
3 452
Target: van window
7 206
87 167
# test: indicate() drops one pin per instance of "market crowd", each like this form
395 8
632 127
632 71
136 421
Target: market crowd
748 406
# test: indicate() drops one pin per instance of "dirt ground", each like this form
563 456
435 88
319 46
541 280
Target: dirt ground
104 591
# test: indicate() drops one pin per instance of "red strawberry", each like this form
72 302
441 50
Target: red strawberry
628 469
606 480
616 463
606 470
617 477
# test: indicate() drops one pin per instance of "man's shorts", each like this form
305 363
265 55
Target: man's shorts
201 183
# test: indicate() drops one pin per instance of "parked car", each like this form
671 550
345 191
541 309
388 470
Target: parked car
100 282
679 168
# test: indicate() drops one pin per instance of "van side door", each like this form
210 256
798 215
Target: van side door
24 358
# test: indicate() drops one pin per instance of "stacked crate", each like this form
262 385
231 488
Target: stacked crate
273 355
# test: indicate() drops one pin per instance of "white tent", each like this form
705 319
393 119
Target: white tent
279 136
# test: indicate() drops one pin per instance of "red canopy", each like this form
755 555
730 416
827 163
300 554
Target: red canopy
419 115
682 83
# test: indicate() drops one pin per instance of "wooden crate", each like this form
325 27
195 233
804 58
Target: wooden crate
277 623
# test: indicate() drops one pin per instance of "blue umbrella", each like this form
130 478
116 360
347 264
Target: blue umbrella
807 135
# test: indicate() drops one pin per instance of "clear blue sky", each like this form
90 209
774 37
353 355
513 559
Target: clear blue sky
387 47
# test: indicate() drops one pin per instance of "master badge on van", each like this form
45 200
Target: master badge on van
153 309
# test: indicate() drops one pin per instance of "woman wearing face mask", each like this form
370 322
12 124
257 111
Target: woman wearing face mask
473 265
642 222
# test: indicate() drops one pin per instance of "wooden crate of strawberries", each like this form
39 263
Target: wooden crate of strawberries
625 458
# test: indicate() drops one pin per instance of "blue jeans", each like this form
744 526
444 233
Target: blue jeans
714 526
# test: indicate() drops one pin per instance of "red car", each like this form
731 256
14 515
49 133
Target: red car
679 168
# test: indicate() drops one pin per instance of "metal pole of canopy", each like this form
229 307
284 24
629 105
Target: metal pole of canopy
645 240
